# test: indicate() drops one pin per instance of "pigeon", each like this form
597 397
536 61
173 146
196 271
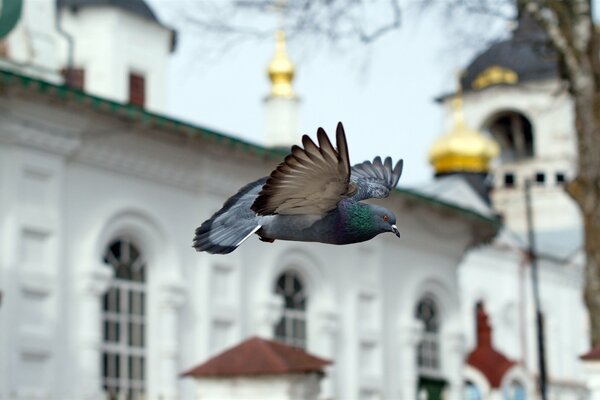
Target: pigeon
312 196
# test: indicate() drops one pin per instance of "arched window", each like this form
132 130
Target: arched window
124 323
291 328
515 390
472 392
514 134
428 351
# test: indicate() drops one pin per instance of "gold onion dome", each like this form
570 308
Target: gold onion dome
281 70
462 149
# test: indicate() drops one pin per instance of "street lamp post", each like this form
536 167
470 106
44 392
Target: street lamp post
536 293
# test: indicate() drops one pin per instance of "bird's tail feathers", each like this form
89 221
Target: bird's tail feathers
217 238
231 225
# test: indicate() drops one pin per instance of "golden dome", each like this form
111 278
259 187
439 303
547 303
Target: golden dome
462 149
281 69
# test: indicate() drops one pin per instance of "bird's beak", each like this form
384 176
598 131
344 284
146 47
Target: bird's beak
395 230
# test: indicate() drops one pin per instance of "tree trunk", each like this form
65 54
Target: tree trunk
585 189
592 284
571 31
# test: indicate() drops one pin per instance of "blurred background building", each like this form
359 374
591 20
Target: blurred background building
100 192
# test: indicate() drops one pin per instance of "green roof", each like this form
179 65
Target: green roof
162 121
496 222
135 113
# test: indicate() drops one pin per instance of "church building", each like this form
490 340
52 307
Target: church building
513 95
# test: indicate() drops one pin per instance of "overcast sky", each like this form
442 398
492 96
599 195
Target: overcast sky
383 93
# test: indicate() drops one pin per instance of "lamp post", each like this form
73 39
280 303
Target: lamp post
536 293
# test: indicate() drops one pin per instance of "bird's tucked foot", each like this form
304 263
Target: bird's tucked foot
263 239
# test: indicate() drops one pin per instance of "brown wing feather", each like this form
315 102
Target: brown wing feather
311 180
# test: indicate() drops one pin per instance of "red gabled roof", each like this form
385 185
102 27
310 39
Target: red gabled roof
490 362
256 356
593 354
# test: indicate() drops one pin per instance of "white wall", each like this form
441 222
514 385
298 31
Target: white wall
156 188
110 43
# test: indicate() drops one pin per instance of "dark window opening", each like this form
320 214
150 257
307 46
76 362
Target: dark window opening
137 89
124 323
428 348
291 328
509 180
540 178
514 134
560 178
74 77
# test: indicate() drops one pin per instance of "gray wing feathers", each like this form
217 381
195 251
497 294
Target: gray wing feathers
311 180
375 179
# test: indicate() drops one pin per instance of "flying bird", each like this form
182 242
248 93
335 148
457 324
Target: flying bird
312 196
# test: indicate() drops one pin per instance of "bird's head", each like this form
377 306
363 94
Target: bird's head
366 221
384 219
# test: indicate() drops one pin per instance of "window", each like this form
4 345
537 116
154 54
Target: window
515 390
514 134
74 77
560 178
428 350
540 178
291 328
472 392
509 180
137 89
124 323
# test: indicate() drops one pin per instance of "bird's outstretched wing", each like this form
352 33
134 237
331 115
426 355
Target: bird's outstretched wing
375 179
311 180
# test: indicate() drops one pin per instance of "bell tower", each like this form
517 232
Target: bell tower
511 92
281 104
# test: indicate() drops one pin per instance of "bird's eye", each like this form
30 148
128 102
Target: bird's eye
386 218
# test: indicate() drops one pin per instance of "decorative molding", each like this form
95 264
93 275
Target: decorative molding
205 170
37 282
495 75
224 313
36 342
328 321
456 342
369 336
29 133
411 332
173 294
123 161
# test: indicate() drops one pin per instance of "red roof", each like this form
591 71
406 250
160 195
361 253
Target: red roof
592 355
256 356
490 362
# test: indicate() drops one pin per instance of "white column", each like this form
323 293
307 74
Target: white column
172 296
93 284
281 125
327 331
409 335
592 377
454 364
269 312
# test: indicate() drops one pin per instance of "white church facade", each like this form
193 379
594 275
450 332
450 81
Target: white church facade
103 295
102 290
